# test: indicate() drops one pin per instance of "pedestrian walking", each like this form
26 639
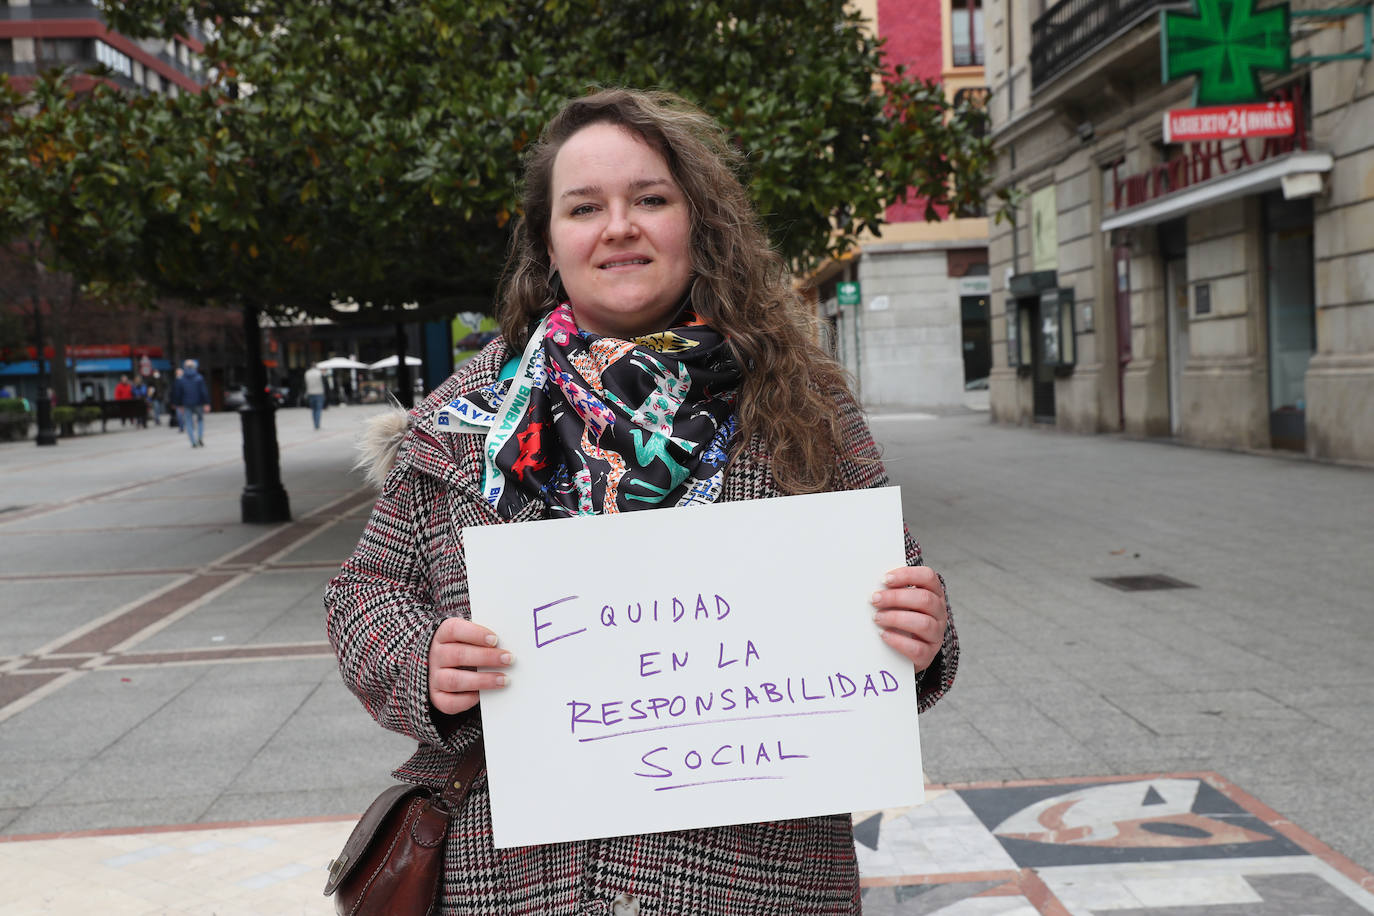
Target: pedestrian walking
174 418
314 392
124 391
140 394
639 266
193 397
155 396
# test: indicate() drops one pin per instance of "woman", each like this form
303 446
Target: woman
653 354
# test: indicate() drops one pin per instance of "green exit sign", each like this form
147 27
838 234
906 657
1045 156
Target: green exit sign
1225 43
848 293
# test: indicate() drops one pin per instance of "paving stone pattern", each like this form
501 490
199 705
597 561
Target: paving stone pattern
1197 751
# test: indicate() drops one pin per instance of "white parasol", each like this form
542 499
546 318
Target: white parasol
340 362
390 362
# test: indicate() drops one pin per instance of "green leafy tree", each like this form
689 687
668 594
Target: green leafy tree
370 150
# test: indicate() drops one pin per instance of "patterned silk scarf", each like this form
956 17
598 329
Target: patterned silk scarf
594 425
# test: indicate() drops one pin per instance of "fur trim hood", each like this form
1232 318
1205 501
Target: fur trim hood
411 437
380 443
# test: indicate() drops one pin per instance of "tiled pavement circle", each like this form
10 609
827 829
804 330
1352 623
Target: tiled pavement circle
162 664
1162 845
1159 845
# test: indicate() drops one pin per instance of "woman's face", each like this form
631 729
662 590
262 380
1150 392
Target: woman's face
619 232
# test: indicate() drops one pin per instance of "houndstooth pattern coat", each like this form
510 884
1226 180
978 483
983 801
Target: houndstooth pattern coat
408 573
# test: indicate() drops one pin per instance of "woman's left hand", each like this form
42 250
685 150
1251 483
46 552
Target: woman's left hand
911 612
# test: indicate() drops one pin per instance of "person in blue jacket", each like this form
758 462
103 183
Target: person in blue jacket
193 398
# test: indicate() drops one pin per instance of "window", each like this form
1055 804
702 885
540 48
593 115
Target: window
52 52
117 61
966 29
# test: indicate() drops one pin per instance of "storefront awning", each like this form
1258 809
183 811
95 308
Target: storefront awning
94 366
1261 177
118 364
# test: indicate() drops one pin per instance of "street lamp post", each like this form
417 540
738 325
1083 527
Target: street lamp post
406 392
264 499
47 435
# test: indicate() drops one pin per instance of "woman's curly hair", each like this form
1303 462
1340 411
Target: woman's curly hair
740 285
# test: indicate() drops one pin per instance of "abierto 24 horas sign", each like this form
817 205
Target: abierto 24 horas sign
1227 122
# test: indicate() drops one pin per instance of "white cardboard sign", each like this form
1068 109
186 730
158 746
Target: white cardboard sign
692 668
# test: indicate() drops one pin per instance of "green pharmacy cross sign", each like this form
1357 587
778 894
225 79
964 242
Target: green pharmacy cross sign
1225 42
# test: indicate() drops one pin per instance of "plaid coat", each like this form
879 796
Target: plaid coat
408 573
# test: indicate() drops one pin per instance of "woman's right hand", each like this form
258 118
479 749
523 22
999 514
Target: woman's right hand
458 647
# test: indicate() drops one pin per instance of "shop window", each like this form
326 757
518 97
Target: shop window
57 51
966 32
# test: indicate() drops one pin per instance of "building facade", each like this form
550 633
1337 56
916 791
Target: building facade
37 35
1218 292
918 330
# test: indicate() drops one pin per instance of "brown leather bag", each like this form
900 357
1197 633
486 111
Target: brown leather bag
393 862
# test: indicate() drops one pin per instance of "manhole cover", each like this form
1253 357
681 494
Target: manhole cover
1143 583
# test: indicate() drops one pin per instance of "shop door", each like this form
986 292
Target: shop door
977 339
1042 371
1291 317
1176 299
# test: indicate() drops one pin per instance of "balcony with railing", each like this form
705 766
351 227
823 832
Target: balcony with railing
1072 30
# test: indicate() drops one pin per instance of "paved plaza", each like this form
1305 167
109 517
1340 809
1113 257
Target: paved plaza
174 736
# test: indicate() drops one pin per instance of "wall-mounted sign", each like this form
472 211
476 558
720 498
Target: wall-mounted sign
1202 299
1208 160
1225 43
847 293
1223 122
84 351
975 286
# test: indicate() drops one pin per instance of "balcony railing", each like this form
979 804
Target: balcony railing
1071 30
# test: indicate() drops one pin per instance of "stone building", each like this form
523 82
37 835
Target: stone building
1218 292
919 330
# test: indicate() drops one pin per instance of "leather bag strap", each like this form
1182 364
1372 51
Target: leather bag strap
472 763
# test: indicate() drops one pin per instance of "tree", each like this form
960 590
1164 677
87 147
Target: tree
54 175
371 149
